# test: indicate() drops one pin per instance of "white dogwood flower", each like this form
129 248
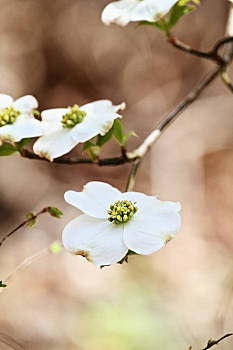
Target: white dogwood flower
122 12
16 118
64 128
113 223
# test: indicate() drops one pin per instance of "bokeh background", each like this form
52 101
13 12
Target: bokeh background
60 52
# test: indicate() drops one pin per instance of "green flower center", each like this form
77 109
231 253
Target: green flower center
73 117
121 211
8 115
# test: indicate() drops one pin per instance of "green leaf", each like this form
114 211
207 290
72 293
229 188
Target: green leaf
127 136
2 285
21 144
31 219
101 140
87 145
184 2
118 131
55 212
160 24
56 247
7 149
177 12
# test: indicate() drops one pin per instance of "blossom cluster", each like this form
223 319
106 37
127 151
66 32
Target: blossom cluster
112 225
60 129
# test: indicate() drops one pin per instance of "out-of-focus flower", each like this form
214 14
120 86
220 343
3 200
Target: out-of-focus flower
113 223
64 128
124 11
17 120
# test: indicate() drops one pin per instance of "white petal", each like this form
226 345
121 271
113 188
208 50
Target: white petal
5 101
99 119
54 114
123 11
26 104
22 128
51 120
98 240
150 10
95 199
150 230
118 12
54 145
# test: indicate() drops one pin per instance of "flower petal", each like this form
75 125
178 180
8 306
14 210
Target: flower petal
123 11
21 129
26 104
95 199
98 240
99 119
150 230
151 10
53 114
5 101
118 12
54 145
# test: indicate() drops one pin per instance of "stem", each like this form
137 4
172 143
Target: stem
26 262
212 342
24 223
133 173
210 55
171 117
70 161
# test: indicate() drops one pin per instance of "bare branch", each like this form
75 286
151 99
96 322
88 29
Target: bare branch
212 342
31 219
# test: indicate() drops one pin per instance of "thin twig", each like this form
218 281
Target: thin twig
24 223
73 160
212 342
132 176
212 55
26 262
172 116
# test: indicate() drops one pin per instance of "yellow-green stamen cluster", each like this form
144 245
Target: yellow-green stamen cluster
121 211
73 117
8 115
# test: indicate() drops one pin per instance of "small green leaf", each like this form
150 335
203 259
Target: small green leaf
21 144
118 131
2 285
31 219
56 247
7 149
177 12
160 24
127 136
101 140
87 145
53 211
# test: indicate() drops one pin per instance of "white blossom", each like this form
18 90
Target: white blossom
122 12
113 223
64 128
16 118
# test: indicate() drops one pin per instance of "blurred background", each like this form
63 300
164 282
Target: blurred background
60 52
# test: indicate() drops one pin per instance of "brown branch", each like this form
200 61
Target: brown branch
212 342
24 223
132 175
212 55
73 160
